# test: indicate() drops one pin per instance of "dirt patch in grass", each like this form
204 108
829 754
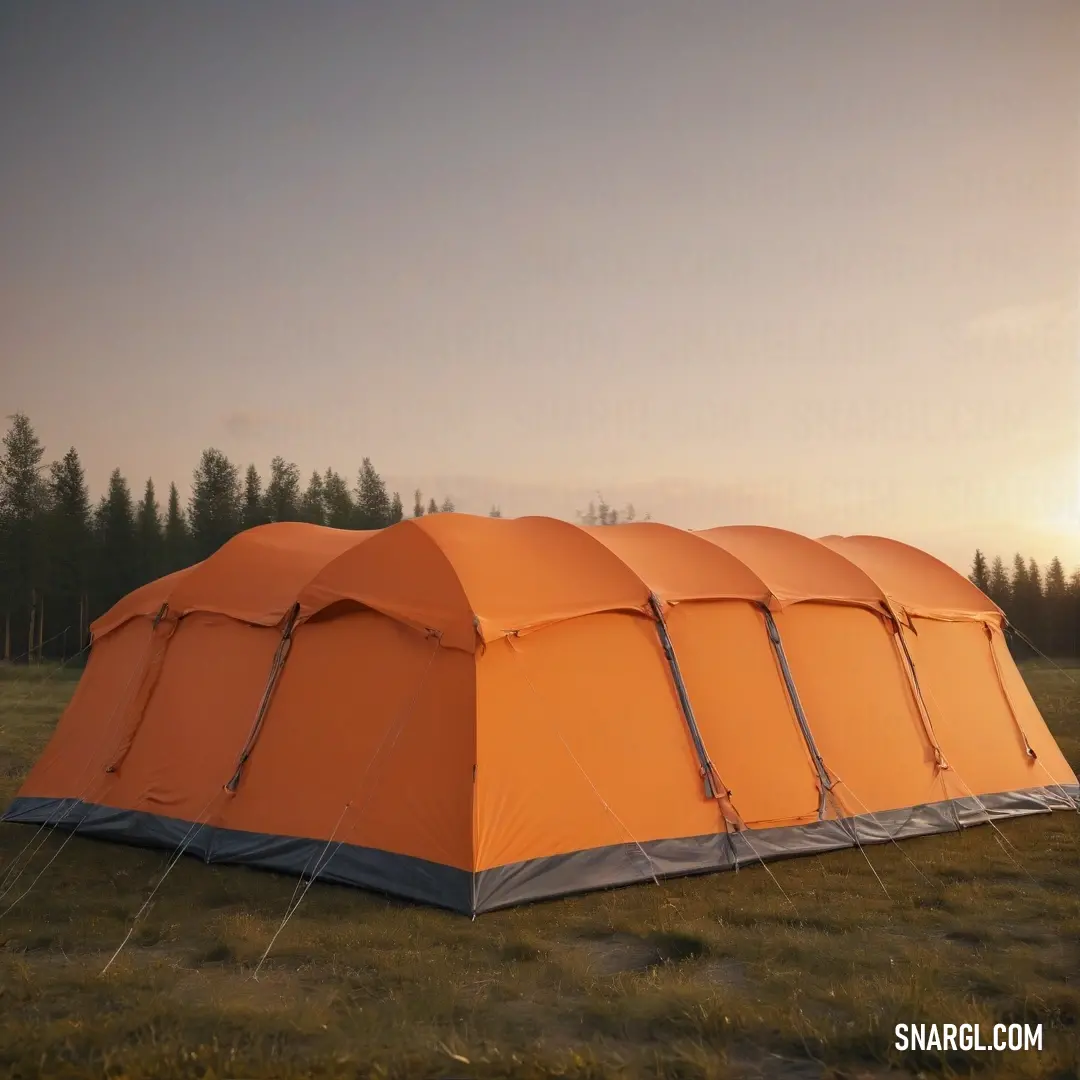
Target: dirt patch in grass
612 953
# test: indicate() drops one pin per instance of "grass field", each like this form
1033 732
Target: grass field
705 977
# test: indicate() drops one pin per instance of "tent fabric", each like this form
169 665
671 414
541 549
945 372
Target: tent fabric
796 567
914 580
476 712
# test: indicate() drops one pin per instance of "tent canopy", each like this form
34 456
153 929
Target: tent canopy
458 572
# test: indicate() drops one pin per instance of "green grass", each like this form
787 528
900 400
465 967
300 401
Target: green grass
706 977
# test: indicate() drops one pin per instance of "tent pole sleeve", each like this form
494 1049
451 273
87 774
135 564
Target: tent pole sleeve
1028 749
150 667
796 704
714 787
276 666
920 701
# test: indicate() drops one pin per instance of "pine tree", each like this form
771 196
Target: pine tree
70 547
1034 578
1018 609
1056 609
1036 624
177 548
215 506
372 501
253 513
338 501
418 504
447 506
601 513
43 568
397 510
998 587
432 506
23 507
149 538
980 576
1072 618
117 543
282 499
313 506
1018 584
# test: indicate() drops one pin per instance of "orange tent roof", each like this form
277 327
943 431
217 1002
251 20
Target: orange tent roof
795 567
465 576
914 580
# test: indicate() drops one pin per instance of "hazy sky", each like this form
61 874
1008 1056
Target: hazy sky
814 265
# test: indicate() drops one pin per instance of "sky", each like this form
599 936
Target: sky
807 265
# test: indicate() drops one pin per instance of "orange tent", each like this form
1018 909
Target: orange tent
477 712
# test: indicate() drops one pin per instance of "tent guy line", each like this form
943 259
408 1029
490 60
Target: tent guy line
361 788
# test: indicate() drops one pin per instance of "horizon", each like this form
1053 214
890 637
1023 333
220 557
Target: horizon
576 501
730 265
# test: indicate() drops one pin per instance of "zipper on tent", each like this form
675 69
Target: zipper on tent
264 704
714 786
825 783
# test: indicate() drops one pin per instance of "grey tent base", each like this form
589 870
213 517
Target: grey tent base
536 879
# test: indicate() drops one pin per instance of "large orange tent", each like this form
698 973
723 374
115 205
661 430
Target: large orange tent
477 712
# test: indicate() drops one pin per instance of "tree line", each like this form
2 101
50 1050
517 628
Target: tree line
1043 606
64 562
